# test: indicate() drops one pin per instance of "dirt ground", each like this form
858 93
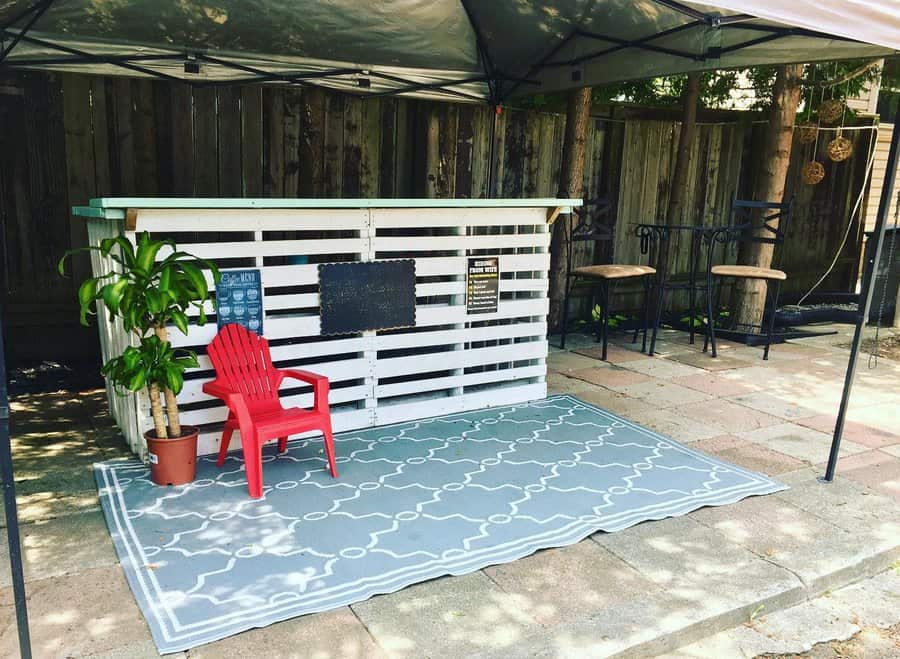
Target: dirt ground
870 643
888 346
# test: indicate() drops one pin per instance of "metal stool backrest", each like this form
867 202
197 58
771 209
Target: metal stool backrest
753 222
592 222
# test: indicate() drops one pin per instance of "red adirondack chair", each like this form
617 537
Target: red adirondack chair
248 382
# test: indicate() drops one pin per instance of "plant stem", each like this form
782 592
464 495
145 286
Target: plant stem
159 421
171 402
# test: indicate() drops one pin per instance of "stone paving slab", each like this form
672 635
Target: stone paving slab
714 384
774 405
337 633
853 431
87 613
61 546
731 417
448 617
696 563
580 581
723 361
614 378
837 615
663 393
798 441
614 354
877 470
748 454
808 546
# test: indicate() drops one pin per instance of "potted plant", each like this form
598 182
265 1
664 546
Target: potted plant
148 295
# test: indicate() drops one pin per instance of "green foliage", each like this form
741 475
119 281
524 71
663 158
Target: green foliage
152 361
146 294
719 88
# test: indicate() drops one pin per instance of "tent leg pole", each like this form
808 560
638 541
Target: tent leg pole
870 271
492 167
9 505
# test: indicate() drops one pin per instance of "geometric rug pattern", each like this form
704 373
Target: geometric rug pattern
414 501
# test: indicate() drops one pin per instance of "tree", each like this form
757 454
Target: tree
750 294
571 185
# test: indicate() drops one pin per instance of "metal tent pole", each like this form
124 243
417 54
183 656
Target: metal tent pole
870 271
9 505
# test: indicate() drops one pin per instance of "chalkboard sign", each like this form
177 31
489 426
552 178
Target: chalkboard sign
483 284
354 297
239 298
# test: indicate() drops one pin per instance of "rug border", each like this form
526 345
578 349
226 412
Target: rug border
168 639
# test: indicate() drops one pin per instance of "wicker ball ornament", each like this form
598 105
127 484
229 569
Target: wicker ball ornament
830 111
812 173
808 133
839 149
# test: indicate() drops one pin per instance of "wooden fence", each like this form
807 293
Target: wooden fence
66 138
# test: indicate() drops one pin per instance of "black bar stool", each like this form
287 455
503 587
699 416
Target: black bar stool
590 226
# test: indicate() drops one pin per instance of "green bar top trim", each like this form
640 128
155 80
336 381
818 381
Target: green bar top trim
237 202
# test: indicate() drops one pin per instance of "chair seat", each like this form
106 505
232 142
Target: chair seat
280 422
614 271
748 272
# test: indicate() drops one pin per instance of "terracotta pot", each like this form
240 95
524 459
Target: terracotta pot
173 461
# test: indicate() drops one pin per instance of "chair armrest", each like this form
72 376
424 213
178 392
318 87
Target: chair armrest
213 388
235 402
319 383
305 376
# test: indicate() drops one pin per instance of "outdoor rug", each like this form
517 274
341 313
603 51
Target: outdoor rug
414 501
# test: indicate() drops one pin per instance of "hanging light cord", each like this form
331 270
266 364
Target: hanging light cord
856 206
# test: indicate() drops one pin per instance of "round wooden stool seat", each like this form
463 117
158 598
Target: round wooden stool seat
748 272
614 271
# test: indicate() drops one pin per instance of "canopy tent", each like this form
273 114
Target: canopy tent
460 50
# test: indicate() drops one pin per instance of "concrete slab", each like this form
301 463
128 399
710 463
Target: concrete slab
662 368
873 519
569 361
892 450
723 361
61 546
557 383
810 547
332 634
798 441
774 405
701 566
663 393
875 469
581 581
448 617
715 385
748 454
837 615
613 401
853 431
729 416
671 424
43 506
87 613
882 416
611 377
614 354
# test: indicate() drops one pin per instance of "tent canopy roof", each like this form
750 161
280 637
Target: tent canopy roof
447 49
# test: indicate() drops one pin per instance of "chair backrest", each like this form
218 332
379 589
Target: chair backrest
761 222
592 222
243 363
754 222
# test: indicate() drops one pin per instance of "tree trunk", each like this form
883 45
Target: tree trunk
690 96
571 186
171 402
750 294
159 421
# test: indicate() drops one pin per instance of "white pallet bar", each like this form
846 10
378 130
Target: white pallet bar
450 361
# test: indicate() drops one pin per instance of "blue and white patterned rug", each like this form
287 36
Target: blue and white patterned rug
414 501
